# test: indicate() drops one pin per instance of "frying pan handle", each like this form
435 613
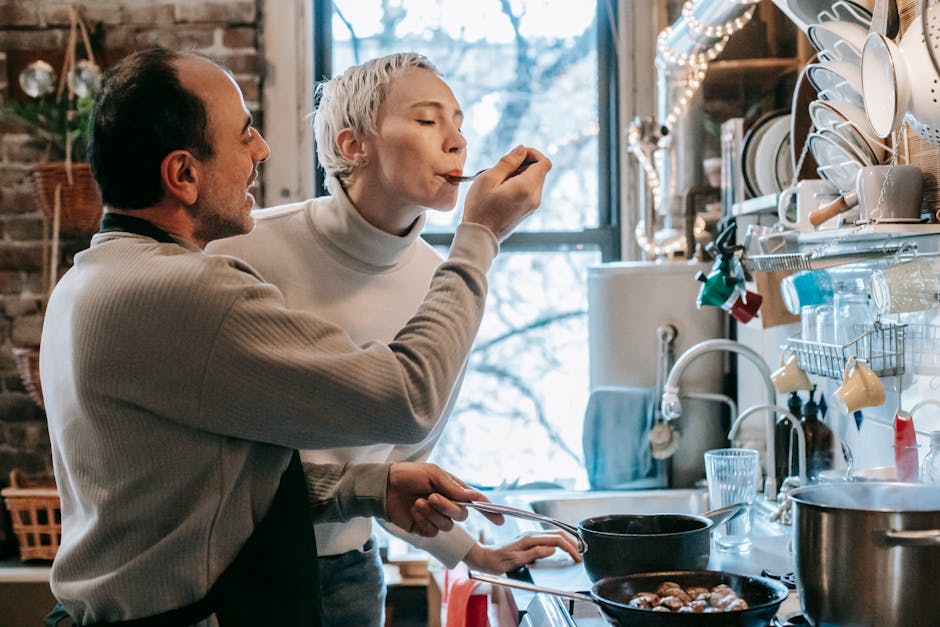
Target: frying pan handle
895 537
510 583
494 508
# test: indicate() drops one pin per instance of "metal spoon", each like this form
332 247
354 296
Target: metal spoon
454 179
849 460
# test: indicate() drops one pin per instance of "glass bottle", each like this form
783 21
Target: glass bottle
930 472
782 436
818 440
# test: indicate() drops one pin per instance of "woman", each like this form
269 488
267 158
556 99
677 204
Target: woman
388 135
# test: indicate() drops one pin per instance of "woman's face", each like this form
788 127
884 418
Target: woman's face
417 142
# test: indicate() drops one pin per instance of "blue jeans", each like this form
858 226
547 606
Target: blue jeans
353 588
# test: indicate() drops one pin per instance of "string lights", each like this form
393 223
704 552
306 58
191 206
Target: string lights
696 63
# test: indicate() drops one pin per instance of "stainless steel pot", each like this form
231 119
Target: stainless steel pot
867 553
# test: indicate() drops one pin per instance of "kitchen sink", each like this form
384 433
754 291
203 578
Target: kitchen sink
575 506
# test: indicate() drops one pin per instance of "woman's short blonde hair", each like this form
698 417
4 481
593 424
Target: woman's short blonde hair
352 100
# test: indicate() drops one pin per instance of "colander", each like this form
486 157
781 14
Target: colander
899 82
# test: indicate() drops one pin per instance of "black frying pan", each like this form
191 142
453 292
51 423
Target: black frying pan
612 595
624 544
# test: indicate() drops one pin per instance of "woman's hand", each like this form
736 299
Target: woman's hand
525 550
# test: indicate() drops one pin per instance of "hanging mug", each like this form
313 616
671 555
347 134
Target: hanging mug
860 388
789 377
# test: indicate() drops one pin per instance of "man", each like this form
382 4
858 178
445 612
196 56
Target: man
388 134
177 384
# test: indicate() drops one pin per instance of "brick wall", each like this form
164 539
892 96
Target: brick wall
227 30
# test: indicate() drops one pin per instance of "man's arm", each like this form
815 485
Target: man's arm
397 492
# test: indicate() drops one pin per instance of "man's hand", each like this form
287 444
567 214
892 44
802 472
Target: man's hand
420 498
501 198
502 559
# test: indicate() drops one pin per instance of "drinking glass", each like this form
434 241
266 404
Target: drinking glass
732 475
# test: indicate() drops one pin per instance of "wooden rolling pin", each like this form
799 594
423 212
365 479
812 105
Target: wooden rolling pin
839 205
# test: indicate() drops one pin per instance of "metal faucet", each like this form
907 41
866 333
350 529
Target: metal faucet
672 406
785 414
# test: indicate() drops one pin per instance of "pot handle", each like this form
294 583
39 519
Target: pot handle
495 508
510 583
897 537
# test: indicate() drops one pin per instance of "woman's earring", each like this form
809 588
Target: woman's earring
361 163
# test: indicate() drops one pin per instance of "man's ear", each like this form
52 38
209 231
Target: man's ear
351 145
180 176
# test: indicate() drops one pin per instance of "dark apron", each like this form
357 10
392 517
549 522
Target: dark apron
274 578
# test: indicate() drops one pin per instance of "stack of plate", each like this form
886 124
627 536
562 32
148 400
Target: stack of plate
766 155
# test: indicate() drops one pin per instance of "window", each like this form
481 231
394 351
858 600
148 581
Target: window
538 72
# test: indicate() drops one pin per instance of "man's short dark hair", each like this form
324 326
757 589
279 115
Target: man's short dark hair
141 114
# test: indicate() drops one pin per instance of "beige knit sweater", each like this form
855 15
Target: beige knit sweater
176 383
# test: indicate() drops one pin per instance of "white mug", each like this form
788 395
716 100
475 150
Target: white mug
897 187
810 195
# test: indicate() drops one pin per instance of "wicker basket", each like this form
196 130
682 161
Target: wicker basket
36 516
27 364
80 213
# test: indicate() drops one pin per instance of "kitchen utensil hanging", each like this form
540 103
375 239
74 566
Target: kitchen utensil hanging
899 82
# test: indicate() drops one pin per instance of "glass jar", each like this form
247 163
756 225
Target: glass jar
852 311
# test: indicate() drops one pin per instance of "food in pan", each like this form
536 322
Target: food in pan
671 597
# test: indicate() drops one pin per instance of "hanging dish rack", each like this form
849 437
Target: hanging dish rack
881 348
819 259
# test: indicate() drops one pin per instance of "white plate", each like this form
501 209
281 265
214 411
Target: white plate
784 166
752 141
836 80
838 41
765 161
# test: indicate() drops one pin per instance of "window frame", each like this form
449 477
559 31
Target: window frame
606 236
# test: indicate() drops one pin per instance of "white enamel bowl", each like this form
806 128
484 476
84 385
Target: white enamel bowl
850 122
806 12
838 41
837 162
898 81
836 80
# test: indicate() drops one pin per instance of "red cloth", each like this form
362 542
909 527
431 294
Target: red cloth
463 608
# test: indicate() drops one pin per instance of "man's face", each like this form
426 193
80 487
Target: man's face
417 142
224 205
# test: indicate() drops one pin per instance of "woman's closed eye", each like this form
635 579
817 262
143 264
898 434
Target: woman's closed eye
426 122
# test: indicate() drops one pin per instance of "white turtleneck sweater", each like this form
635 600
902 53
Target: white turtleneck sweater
327 259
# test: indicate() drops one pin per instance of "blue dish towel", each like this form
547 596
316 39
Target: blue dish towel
615 438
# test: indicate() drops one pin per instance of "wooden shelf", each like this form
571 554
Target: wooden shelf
763 72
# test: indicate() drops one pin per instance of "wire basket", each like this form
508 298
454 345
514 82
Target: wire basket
37 517
881 348
923 340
